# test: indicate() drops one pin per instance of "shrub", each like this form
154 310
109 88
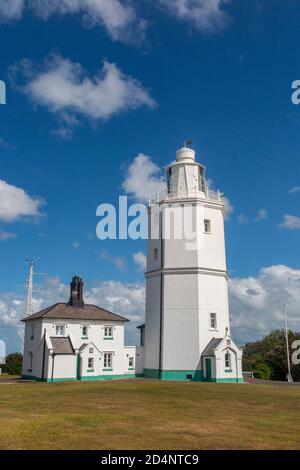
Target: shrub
13 364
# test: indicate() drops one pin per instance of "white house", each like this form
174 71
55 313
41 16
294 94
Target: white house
77 341
187 329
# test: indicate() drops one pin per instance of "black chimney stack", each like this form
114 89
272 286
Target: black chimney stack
76 292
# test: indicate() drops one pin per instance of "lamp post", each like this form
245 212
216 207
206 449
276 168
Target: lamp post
289 375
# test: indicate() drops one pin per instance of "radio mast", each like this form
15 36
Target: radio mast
31 262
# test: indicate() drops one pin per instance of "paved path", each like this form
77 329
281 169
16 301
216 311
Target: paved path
271 382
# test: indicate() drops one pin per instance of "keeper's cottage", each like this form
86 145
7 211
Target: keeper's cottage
78 341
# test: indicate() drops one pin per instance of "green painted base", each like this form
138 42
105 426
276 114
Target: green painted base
108 377
182 375
84 378
39 379
186 375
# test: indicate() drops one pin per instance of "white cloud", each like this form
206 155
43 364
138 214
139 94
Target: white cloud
66 90
143 179
126 299
261 215
294 189
140 260
256 303
229 209
6 235
118 261
11 10
16 203
117 16
290 222
76 245
207 16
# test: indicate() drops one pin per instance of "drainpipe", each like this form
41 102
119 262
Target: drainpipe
44 354
52 373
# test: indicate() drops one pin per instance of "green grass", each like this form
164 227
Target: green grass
5 377
145 414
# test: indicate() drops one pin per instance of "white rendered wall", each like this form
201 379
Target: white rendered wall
139 362
65 366
32 345
152 330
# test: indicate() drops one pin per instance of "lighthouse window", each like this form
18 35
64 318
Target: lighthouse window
201 180
155 254
227 361
169 174
207 226
213 321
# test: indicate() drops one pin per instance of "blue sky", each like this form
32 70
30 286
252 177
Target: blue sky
218 73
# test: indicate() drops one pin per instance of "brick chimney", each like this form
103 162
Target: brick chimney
76 292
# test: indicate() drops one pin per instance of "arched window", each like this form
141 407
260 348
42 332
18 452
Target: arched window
227 360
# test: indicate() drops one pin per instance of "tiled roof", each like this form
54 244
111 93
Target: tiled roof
62 345
68 312
213 344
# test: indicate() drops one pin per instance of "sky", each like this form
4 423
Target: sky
100 95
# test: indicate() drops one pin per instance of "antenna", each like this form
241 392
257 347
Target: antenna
31 262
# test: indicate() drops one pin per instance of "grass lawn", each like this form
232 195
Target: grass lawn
145 414
5 377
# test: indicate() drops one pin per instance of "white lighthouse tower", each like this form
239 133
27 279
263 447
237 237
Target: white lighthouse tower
187 329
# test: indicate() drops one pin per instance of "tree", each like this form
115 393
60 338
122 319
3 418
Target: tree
270 352
13 364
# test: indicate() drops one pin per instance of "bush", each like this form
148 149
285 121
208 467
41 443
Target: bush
267 357
262 371
13 364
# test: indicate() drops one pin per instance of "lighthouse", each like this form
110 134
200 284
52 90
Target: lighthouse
187 327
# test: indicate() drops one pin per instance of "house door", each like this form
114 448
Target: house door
208 368
78 374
